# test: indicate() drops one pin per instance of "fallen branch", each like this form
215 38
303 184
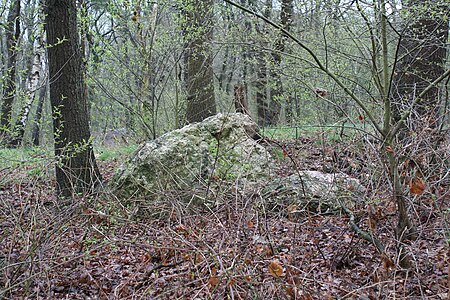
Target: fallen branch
368 236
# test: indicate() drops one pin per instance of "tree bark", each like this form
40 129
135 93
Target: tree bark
261 70
240 102
199 60
76 169
261 90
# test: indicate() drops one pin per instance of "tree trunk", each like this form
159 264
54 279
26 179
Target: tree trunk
261 70
199 60
9 90
287 8
240 102
422 55
35 135
76 169
261 90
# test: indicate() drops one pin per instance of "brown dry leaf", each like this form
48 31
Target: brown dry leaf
276 268
416 186
387 262
232 282
187 257
306 296
182 229
389 149
372 220
291 291
268 251
250 224
145 257
213 280
198 258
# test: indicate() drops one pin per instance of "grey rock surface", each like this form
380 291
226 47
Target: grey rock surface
219 148
221 151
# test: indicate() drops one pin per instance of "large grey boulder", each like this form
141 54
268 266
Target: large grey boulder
219 148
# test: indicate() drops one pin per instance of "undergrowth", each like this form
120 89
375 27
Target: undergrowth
241 249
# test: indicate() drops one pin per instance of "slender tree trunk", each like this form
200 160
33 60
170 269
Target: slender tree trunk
76 171
199 60
35 135
240 101
9 90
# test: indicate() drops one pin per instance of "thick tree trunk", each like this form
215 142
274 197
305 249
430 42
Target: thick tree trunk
9 90
261 90
287 8
199 61
76 171
422 56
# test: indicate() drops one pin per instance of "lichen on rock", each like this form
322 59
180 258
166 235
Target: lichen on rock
220 147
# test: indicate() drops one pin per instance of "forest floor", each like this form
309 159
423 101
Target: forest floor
91 249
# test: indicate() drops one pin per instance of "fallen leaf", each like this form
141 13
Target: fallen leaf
268 251
213 281
416 186
276 268
232 282
250 224
182 229
389 149
387 262
372 220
